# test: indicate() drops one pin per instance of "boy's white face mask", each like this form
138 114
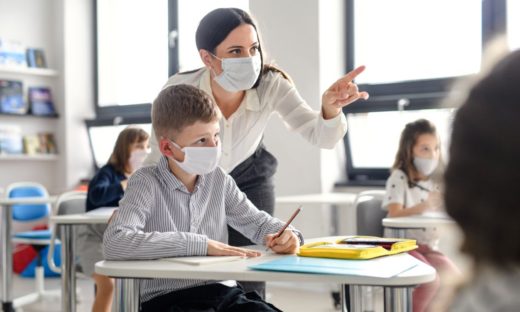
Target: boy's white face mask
426 166
239 74
198 160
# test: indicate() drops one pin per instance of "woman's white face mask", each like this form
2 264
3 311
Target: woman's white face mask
198 160
239 74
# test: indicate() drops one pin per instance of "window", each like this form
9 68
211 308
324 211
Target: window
103 134
139 44
413 51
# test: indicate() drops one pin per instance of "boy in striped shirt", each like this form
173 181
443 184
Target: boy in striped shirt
183 205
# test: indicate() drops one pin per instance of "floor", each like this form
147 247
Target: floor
306 297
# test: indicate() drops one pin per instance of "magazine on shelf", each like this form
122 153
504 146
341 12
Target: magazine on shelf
11 97
36 58
12 53
357 247
47 143
31 144
11 139
40 101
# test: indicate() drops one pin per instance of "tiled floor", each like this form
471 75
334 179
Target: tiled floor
305 297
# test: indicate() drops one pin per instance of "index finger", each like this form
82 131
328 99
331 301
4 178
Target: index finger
353 74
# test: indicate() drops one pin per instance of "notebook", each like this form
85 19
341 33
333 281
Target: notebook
381 267
357 247
202 260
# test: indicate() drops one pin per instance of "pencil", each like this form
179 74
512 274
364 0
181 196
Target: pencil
279 233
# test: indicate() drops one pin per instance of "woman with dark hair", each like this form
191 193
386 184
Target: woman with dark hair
248 92
482 188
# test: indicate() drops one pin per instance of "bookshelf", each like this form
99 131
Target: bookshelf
28 71
24 157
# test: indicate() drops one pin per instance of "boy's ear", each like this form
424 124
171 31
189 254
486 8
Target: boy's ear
165 147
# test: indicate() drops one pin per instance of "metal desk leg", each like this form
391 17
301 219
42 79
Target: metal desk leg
398 299
127 295
397 232
356 298
7 260
68 268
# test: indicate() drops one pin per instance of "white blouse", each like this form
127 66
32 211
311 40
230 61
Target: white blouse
241 133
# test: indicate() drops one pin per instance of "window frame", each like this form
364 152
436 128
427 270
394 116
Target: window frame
407 95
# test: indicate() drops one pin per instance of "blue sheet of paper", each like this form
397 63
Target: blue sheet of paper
380 267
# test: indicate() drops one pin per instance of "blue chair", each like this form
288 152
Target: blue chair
38 239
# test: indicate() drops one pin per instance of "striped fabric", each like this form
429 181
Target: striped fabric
159 218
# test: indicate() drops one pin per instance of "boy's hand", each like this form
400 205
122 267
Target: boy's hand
216 248
287 243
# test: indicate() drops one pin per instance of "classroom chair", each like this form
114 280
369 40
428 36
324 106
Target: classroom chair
369 213
38 239
72 202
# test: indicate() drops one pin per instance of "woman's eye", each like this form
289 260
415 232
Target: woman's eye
254 50
235 51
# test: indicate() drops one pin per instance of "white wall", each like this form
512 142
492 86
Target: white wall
78 75
306 39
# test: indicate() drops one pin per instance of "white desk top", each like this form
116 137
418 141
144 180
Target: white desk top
416 222
321 198
28 200
100 215
238 270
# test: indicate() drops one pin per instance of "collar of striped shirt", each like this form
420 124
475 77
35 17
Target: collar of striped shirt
167 175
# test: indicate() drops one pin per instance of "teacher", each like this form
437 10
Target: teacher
248 92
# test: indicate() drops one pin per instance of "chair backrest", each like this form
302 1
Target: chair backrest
71 203
68 203
28 212
369 213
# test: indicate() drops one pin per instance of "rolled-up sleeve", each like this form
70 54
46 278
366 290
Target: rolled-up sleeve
300 117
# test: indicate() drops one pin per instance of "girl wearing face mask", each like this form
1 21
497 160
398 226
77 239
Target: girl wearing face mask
248 92
105 190
411 190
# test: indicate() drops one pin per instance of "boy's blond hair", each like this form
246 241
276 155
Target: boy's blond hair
179 106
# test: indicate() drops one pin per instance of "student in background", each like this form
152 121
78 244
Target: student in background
183 206
248 92
482 179
411 190
105 190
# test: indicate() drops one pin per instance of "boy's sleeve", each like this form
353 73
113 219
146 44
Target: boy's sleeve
125 238
395 189
245 217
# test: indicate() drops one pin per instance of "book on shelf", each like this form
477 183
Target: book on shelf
31 144
36 58
40 101
11 97
357 247
12 53
11 140
47 143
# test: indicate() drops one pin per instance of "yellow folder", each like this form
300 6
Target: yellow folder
357 247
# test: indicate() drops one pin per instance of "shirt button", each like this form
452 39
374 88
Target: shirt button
227 125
